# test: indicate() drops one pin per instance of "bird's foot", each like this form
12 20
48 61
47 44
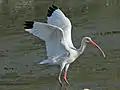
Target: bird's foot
65 78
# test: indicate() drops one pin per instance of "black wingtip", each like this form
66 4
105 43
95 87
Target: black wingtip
51 9
28 24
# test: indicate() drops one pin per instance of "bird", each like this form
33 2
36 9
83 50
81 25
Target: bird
57 36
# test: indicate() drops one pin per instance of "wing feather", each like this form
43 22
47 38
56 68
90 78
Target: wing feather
43 31
56 17
52 35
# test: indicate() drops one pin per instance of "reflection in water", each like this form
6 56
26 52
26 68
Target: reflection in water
64 87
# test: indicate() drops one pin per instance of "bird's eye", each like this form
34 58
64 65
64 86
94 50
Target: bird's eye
87 40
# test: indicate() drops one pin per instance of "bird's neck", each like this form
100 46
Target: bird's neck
82 48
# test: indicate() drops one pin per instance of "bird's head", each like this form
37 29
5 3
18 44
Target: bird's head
86 40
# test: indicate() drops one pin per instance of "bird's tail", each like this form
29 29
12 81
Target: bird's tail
46 61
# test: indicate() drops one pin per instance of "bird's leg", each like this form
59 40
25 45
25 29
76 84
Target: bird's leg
59 76
65 73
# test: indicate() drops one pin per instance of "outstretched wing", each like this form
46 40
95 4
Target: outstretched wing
56 17
52 35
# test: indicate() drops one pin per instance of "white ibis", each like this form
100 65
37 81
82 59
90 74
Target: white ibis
57 36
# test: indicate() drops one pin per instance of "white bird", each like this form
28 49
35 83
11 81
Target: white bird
57 36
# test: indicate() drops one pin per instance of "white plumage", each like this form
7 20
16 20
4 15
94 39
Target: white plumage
52 35
57 36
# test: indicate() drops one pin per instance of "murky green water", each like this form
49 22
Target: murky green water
21 52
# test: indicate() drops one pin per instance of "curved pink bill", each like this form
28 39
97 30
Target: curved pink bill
93 43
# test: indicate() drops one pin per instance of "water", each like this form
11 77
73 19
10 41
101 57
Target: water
20 52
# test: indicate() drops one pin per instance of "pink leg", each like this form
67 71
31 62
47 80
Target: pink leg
65 73
65 77
59 79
